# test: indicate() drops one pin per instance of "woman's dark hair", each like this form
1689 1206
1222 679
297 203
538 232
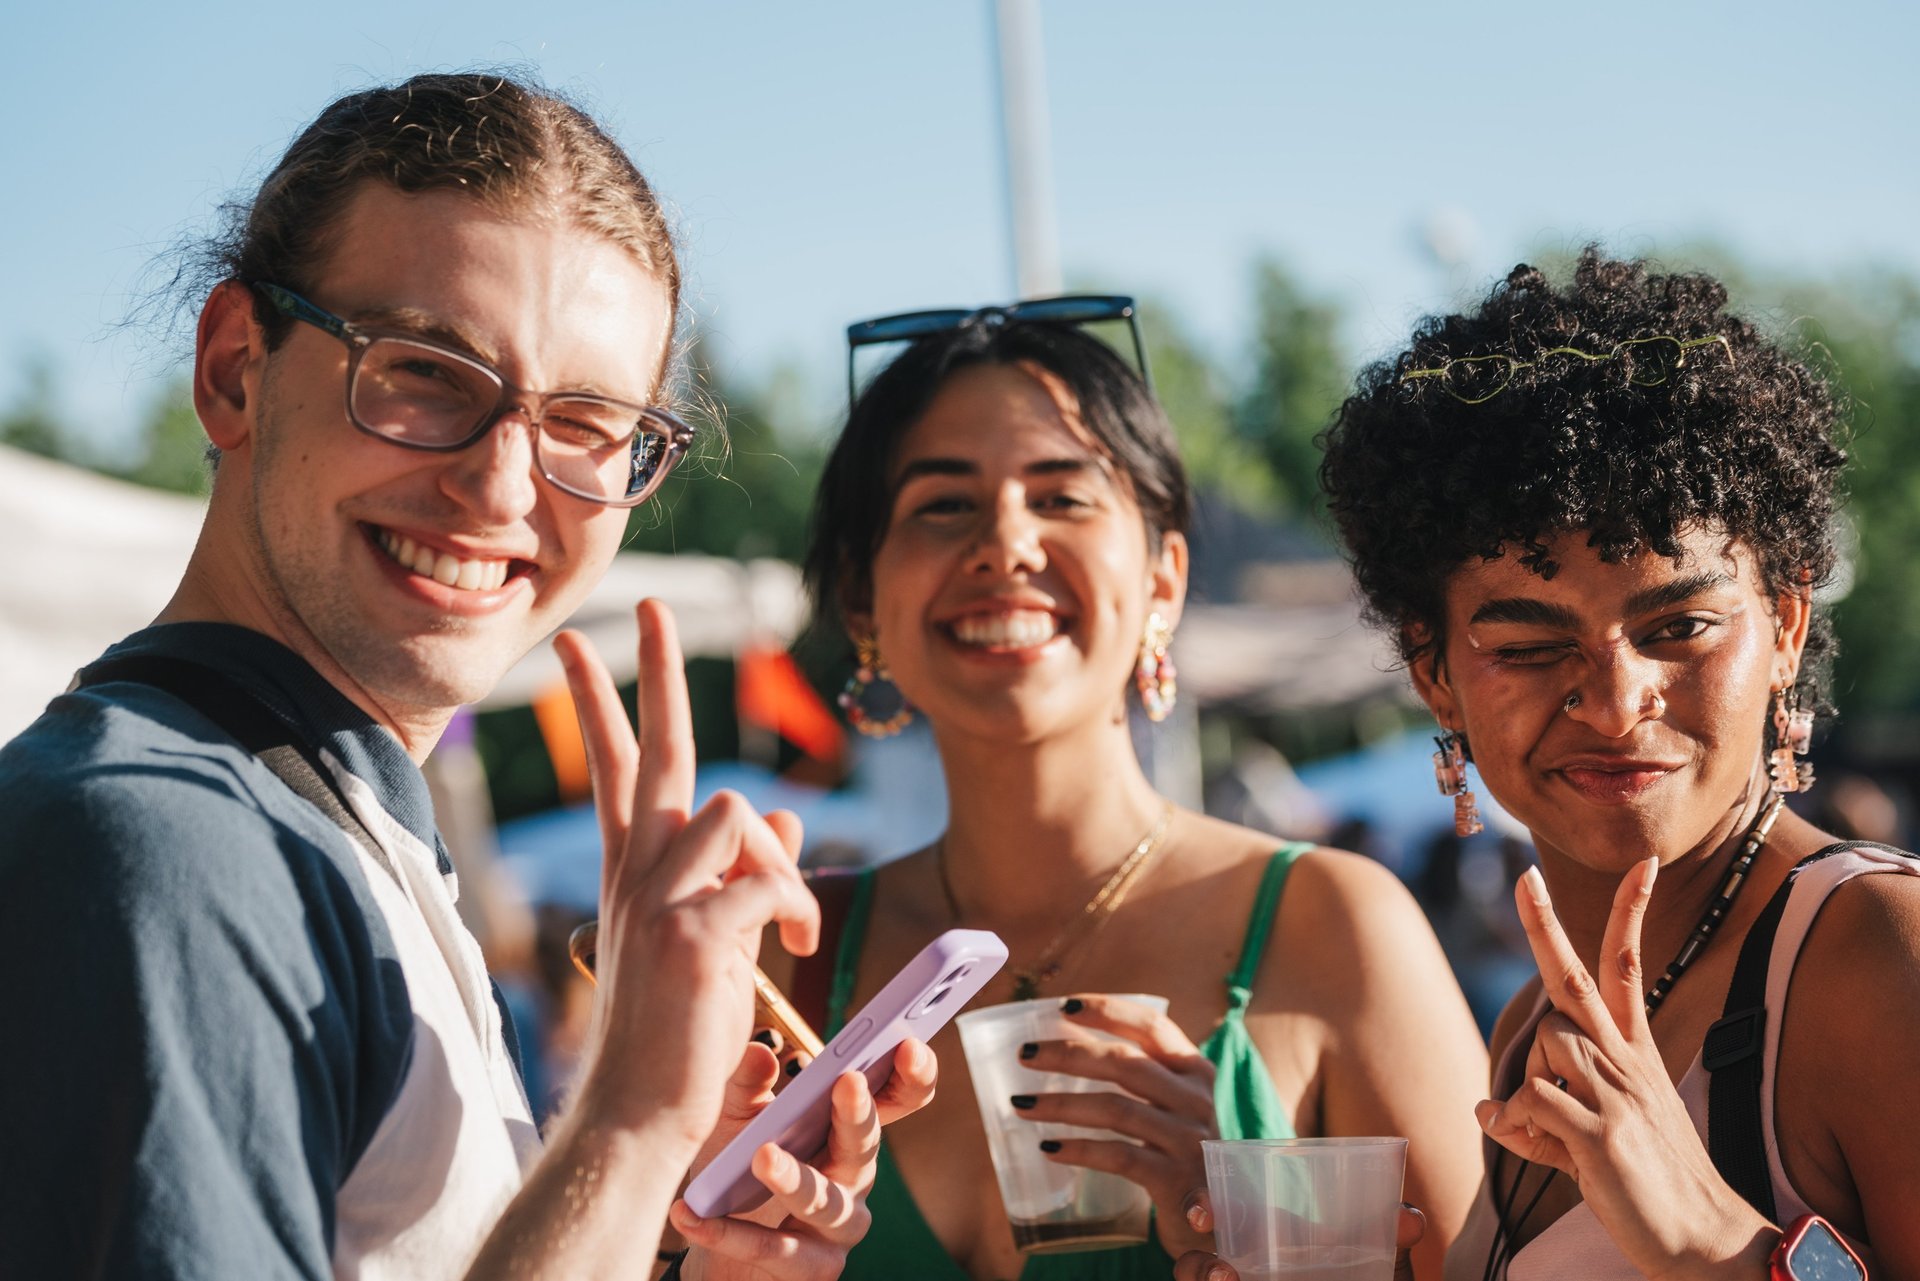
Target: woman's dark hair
1634 450
851 510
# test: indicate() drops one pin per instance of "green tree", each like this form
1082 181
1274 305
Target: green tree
33 422
1300 375
748 490
173 448
1868 339
1198 401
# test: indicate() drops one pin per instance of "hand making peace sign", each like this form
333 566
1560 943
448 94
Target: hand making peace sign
1598 1105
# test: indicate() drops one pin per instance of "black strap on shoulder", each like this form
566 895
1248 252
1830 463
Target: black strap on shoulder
241 714
1734 1053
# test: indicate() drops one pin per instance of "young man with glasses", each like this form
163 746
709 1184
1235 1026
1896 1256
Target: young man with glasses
254 1038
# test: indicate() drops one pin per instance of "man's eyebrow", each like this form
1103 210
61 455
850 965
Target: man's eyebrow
1527 612
1680 590
420 324
414 323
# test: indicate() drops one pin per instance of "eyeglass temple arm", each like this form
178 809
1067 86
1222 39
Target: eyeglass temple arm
288 303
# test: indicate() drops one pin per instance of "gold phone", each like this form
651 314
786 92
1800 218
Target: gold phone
771 1007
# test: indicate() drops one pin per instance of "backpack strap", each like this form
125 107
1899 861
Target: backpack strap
245 718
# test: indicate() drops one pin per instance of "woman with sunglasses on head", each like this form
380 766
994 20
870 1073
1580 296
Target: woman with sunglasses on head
1594 519
1001 529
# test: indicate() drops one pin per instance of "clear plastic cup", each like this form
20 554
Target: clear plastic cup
1306 1209
1052 1208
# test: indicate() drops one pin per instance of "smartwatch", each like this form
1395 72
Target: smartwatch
1812 1251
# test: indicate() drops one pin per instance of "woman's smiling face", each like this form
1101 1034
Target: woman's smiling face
1012 585
1618 710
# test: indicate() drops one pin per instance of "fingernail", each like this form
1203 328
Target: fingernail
1219 1272
793 1067
1072 1005
765 1037
1536 886
1030 1049
1049 1145
1024 1101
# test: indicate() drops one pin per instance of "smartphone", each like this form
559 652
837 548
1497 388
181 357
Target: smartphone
770 1005
916 1002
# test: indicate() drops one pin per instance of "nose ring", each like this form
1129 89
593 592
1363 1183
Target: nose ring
1573 701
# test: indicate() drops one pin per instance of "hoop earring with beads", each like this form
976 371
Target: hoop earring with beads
873 704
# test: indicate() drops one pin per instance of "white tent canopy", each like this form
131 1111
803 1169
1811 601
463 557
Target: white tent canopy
89 560
93 559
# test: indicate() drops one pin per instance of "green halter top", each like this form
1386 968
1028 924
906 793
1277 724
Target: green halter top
900 1245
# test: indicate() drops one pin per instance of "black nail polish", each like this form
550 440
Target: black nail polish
1072 1005
1030 1049
793 1067
765 1037
1024 1101
1049 1145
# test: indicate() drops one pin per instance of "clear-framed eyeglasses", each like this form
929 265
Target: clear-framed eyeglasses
421 394
1473 380
1072 309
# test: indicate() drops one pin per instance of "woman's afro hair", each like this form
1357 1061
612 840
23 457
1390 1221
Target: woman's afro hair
1635 450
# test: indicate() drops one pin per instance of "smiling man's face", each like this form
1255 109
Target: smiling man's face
421 577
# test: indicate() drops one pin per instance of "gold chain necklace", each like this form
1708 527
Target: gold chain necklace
1090 919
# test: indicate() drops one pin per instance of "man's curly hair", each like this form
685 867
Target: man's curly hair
1739 437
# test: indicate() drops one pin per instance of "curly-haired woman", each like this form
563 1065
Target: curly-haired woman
1595 519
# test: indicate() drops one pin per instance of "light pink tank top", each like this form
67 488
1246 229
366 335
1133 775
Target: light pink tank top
1575 1245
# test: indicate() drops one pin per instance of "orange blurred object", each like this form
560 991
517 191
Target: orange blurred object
771 692
559 725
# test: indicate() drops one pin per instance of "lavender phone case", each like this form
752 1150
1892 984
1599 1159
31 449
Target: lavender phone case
916 1002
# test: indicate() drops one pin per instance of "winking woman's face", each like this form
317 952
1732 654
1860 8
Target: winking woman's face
1618 710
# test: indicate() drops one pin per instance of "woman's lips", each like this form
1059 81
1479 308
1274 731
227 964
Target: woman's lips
1615 784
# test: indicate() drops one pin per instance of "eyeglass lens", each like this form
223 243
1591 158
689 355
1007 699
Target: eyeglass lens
421 395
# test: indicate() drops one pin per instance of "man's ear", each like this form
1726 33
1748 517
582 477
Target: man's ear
229 358
1167 578
1793 615
1430 679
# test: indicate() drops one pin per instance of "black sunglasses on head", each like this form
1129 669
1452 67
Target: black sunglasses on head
1074 309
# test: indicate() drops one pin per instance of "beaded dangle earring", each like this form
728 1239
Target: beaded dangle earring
1450 772
1792 737
1153 674
873 703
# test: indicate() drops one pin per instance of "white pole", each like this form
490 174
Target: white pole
1023 119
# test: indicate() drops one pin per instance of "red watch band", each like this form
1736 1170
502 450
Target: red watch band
1833 1253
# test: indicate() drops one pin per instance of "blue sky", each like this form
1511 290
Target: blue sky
833 161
